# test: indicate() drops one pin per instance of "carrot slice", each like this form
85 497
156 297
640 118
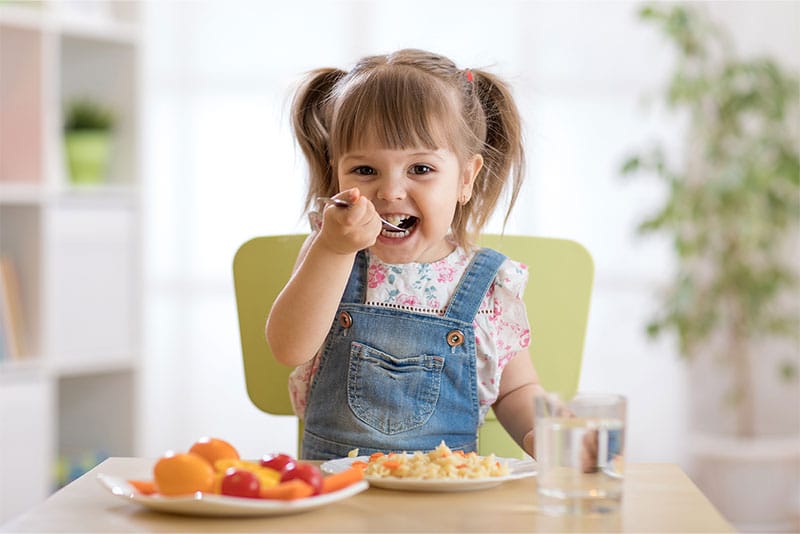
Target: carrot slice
287 491
391 465
374 456
342 479
359 464
145 487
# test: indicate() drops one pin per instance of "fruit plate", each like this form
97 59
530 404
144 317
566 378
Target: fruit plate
204 504
518 468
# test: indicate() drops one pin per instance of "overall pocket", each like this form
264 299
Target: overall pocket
389 393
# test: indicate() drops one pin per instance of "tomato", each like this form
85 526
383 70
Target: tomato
278 462
308 473
240 483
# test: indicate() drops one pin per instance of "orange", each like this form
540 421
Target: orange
145 487
213 449
182 473
217 486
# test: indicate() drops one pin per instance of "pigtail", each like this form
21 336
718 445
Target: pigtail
311 123
503 153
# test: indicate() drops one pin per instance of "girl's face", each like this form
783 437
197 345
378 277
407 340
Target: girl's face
417 189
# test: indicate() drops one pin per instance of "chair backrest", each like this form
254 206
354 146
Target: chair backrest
557 299
261 268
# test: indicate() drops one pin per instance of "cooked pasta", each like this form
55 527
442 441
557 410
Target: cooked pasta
440 463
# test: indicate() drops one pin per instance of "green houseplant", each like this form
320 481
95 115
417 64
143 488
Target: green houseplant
732 212
88 127
732 204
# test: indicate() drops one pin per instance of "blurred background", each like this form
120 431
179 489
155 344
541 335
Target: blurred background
119 333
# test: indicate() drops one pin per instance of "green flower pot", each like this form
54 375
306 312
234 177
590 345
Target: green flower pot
88 153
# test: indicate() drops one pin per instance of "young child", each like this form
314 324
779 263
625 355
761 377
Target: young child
404 338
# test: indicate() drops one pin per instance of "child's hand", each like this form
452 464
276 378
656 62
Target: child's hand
589 452
348 230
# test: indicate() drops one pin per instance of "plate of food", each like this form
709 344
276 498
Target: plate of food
209 504
210 479
438 470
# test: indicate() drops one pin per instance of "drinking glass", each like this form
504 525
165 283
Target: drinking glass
580 445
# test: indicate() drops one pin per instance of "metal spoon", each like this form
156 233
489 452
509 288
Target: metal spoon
340 203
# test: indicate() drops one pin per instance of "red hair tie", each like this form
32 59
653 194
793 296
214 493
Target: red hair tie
469 76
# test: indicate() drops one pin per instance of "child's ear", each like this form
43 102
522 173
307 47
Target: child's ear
471 170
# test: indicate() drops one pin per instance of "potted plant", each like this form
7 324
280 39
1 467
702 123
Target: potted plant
732 212
88 128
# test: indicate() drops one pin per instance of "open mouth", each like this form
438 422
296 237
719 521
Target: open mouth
406 222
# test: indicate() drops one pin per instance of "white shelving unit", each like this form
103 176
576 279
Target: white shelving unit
72 393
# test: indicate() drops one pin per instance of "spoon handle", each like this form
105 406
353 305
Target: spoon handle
341 203
338 202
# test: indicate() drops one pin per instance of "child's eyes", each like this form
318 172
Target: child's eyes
421 169
363 170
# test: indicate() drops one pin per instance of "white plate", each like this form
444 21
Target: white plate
221 505
517 469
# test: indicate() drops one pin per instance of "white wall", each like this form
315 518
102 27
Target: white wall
218 148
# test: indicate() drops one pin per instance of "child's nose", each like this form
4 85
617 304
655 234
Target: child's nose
391 188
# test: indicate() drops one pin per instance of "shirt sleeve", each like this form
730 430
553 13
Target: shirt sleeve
299 383
502 328
509 317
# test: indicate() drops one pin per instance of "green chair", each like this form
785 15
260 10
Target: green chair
557 299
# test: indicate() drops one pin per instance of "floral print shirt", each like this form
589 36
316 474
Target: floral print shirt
501 324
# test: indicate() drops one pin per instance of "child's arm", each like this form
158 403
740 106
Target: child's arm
514 405
302 313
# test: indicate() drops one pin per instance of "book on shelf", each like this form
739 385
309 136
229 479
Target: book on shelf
11 319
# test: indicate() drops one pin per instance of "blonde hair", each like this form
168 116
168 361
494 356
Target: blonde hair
407 99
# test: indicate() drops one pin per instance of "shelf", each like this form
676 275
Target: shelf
14 193
71 393
104 31
13 370
38 366
113 365
100 27
17 194
118 195
22 16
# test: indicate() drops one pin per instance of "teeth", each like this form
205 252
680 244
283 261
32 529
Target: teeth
394 233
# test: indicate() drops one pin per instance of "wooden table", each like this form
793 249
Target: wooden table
657 497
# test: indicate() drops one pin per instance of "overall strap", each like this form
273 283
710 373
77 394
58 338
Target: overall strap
355 292
476 281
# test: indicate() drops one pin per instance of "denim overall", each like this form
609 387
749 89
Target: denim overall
394 380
